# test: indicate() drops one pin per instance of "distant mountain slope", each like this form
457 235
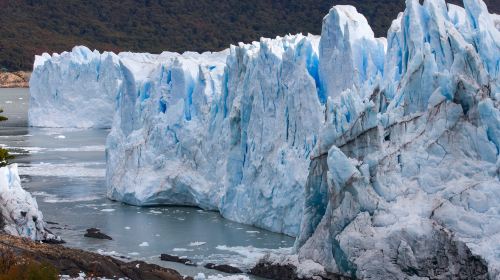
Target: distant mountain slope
29 27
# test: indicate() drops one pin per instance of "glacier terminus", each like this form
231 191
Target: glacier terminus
380 155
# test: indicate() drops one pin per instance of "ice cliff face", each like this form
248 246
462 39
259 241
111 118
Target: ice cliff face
229 131
407 186
74 89
19 214
234 131
79 88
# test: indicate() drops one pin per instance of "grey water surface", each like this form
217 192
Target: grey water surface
65 170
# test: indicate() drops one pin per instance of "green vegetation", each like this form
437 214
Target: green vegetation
2 118
29 27
13 267
4 154
4 157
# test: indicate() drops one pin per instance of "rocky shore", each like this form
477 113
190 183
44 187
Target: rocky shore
19 79
278 271
275 267
74 261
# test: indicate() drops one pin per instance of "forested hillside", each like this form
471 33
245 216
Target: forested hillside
29 27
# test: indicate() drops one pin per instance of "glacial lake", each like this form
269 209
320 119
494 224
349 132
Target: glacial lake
65 170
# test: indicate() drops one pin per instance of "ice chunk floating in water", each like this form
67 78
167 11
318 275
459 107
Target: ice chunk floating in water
381 155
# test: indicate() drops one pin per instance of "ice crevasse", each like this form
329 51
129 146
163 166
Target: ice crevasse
380 155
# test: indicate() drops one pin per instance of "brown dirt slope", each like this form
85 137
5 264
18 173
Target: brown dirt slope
14 79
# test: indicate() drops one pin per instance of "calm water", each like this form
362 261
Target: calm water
65 169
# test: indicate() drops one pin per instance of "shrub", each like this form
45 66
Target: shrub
4 154
14 267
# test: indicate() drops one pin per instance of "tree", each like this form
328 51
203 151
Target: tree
4 154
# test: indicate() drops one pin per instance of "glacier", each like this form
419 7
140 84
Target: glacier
379 154
198 130
175 115
78 89
74 89
19 214
409 176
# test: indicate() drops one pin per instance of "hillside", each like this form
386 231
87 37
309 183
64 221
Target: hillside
14 79
29 27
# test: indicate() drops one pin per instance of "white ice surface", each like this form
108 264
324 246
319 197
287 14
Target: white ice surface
19 211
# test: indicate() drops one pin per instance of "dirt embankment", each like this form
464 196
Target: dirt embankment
73 261
19 79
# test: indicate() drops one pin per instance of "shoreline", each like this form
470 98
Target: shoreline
17 79
72 262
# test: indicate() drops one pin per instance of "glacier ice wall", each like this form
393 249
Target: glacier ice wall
349 54
234 131
79 88
19 214
74 89
408 186
253 109
229 131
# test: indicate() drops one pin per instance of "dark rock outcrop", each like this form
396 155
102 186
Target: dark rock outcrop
223 268
449 259
97 234
177 259
54 241
286 272
73 261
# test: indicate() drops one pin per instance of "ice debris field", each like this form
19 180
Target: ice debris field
379 154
